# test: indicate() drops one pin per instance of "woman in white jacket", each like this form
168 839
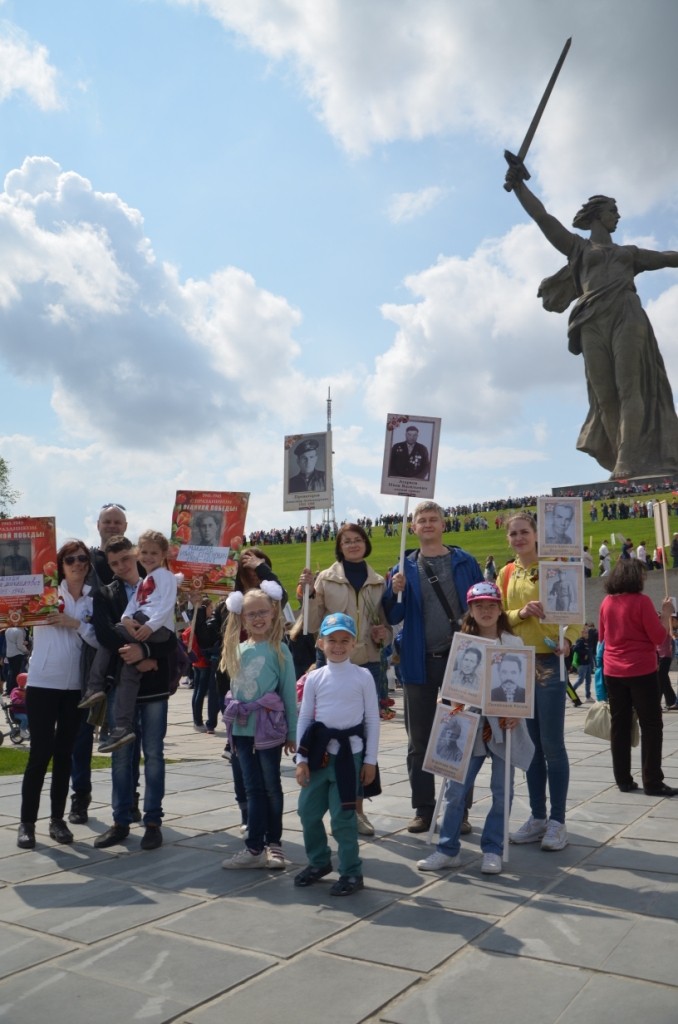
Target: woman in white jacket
53 692
352 586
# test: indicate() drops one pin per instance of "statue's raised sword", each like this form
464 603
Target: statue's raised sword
516 160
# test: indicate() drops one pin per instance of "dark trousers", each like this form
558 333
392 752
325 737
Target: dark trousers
53 721
420 708
641 693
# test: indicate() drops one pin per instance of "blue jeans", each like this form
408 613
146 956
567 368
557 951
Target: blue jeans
261 775
547 731
151 724
492 839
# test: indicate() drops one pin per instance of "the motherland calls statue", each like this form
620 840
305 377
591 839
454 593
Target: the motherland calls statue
631 428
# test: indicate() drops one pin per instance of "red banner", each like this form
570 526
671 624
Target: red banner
206 537
28 570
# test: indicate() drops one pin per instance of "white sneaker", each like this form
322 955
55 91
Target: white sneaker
555 837
491 864
438 861
531 832
245 859
365 826
276 858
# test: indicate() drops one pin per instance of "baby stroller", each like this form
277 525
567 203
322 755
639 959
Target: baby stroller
16 734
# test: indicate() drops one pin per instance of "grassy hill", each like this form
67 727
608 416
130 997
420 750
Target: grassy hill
288 559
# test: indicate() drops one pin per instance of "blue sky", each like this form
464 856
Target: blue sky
211 212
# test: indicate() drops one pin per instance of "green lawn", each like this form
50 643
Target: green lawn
288 559
13 759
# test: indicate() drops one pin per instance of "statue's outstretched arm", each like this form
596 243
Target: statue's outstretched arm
557 234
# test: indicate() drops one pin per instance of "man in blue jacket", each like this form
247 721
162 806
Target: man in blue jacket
430 618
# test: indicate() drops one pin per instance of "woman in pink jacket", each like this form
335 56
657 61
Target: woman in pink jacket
631 632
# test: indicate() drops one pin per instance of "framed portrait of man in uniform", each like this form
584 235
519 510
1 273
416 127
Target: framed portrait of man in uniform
410 455
451 743
561 592
308 471
464 677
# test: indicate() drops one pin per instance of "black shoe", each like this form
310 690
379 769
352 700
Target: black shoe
152 838
25 840
59 831
662 790
136 813
79 804
347 885
466 826
310 875
629 787
112 836
419 824
117 738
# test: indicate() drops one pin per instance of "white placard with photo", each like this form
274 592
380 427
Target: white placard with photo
464 677
308 471
509 682
410 455
559 527
451 743
561 592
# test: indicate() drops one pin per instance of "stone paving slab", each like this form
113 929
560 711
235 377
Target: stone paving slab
412 934
254 918
330 989
165 966
585 934
21 948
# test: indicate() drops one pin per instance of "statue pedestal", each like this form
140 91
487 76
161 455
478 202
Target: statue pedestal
616 488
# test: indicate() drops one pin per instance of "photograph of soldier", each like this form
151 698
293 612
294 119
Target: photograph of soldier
410 458
206 529
15 558
308 477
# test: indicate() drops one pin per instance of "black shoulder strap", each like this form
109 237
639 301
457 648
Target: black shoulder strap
433 580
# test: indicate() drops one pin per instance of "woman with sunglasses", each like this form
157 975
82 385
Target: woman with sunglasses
53 694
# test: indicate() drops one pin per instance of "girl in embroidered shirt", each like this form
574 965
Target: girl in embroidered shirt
258 668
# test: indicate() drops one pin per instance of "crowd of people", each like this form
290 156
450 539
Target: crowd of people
108 658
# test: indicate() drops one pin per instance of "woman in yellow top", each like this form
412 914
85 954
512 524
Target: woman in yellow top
519 585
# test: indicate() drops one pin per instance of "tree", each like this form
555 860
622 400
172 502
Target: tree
8 496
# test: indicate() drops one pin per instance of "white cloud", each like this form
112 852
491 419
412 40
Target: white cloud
406 69
25 67
85 303
406 206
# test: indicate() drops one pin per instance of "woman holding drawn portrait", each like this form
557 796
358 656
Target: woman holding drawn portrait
519 585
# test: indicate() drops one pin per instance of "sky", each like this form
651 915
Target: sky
212 212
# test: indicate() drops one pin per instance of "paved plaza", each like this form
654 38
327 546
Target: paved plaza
586 935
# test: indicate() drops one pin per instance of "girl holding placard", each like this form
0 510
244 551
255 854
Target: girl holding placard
485 618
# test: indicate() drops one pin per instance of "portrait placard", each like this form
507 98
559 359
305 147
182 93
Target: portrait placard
561 592
560 527
410 455
206 537
464 677
451 742
509 682
28 570
308 471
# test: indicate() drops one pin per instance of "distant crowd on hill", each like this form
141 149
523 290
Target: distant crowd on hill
460 518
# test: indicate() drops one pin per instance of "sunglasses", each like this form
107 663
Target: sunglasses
72 559
113 504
